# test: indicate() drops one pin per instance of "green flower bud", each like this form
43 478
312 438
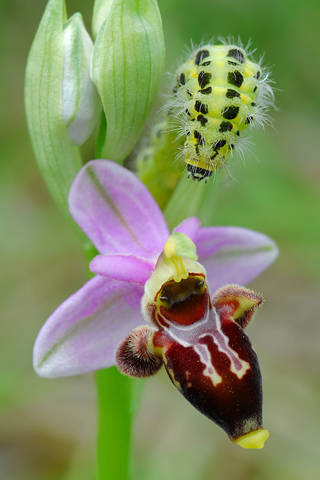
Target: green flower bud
127 65
58 158
101 10
81 105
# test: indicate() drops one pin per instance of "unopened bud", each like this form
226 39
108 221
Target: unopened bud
127 65
101 10
81 105
58 157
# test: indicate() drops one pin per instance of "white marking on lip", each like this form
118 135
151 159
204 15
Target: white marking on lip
205 358
210 326
237 366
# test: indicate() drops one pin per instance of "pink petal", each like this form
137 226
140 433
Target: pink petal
83 333
116 211
127 268
234 254
190 227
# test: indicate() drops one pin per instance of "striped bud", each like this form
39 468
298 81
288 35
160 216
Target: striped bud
81 105
101 10
58 157
127 65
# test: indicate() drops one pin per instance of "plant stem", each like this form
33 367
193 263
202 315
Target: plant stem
191 198
116 399
115 415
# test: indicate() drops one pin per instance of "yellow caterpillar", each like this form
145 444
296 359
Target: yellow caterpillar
218 93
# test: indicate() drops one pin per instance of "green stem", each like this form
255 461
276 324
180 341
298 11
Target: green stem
117 398
115 415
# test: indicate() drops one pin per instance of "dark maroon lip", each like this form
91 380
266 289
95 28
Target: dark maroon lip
205 350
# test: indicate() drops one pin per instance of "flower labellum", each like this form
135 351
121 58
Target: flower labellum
201 343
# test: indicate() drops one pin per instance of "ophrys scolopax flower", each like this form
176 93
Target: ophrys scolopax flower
141 264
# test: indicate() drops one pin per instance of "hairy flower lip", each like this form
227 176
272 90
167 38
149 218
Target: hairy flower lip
206 353
121 218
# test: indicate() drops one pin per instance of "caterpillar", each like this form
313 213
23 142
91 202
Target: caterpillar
218 93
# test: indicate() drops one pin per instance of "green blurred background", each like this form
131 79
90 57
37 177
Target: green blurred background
47 427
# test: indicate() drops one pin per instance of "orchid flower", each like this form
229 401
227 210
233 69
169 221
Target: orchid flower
145 275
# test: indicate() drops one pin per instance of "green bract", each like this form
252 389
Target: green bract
127 65
191 199
81 105
58 158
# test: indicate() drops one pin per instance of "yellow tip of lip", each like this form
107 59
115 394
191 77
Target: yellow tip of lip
254 439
